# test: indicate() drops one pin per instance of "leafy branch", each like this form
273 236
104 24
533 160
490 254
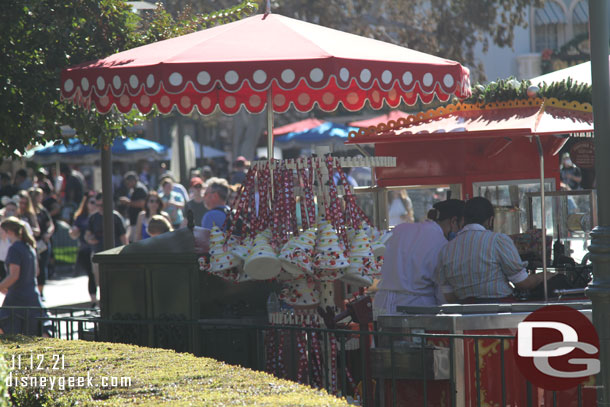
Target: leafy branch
160 24
511 89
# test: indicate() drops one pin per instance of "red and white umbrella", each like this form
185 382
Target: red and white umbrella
260 58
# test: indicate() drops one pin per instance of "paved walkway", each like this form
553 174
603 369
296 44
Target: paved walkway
65 291
71 291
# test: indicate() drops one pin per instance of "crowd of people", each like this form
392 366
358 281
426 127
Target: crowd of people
425 262
34 204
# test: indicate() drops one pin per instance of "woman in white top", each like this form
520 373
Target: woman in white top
407 274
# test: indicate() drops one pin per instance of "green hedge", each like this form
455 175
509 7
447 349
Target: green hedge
158 378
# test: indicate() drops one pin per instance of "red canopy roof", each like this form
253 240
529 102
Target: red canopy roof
463 121
233 65
384 118
301 125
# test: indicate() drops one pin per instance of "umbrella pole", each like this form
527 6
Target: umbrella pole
270 134
543 219
108 224
182 156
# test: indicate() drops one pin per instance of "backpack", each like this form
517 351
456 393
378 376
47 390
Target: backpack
229 213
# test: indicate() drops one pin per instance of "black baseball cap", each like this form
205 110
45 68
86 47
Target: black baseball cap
448 209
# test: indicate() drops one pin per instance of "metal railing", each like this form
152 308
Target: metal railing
345 362
47 320
64 248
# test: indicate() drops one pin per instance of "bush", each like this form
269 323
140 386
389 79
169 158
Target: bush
4 371
122 375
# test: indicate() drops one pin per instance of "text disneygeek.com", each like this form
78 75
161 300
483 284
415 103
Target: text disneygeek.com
67 382
22 364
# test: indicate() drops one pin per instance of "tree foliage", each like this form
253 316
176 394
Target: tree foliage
40 38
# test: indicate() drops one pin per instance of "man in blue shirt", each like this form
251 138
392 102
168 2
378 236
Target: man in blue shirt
214 199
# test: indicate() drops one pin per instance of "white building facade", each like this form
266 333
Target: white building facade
550 27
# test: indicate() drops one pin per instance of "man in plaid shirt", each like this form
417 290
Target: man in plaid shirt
479 265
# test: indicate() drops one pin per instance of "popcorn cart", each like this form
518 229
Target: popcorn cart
506 152
501 151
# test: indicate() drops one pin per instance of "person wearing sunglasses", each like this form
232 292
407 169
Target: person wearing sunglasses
154 206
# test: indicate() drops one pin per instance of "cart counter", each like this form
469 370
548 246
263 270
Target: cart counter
481 370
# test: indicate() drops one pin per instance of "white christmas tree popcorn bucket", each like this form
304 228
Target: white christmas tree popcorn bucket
301 292
362 261
330 259
221 258
327 295
262 262
296 255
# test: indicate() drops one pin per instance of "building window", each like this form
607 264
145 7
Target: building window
549 26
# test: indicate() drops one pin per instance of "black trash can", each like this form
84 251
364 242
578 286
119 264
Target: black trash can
152 293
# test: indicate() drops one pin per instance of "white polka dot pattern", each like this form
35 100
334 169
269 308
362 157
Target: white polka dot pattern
175 79
365 75
428 79
203 78
231 77
68 85
288 75
386 77
259 76
133 81
448 80
239 86
230 102
316 75
255 100
185 102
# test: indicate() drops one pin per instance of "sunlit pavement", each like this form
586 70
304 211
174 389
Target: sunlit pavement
65 291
